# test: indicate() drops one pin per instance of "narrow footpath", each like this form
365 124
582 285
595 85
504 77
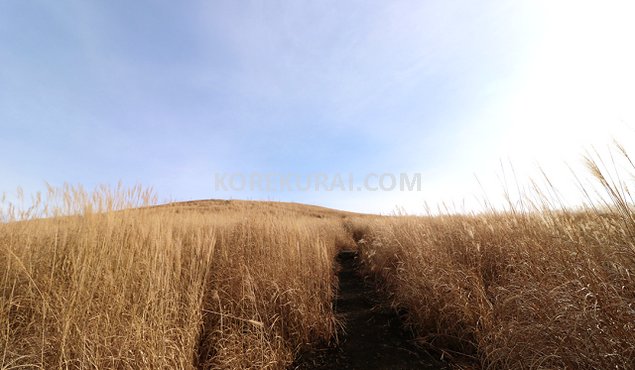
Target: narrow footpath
373 337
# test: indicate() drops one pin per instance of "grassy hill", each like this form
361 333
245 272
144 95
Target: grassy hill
220 284
124 283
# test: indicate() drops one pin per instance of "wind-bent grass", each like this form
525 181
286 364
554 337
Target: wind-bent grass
518 289
98 285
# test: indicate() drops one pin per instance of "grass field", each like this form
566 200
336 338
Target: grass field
512 291
107 280
528 287
195 285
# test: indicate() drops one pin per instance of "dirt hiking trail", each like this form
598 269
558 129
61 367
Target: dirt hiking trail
373 337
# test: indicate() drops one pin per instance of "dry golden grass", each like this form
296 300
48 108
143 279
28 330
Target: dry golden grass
232 287
520 289
88 282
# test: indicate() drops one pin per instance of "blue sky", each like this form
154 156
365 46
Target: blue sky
166 94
